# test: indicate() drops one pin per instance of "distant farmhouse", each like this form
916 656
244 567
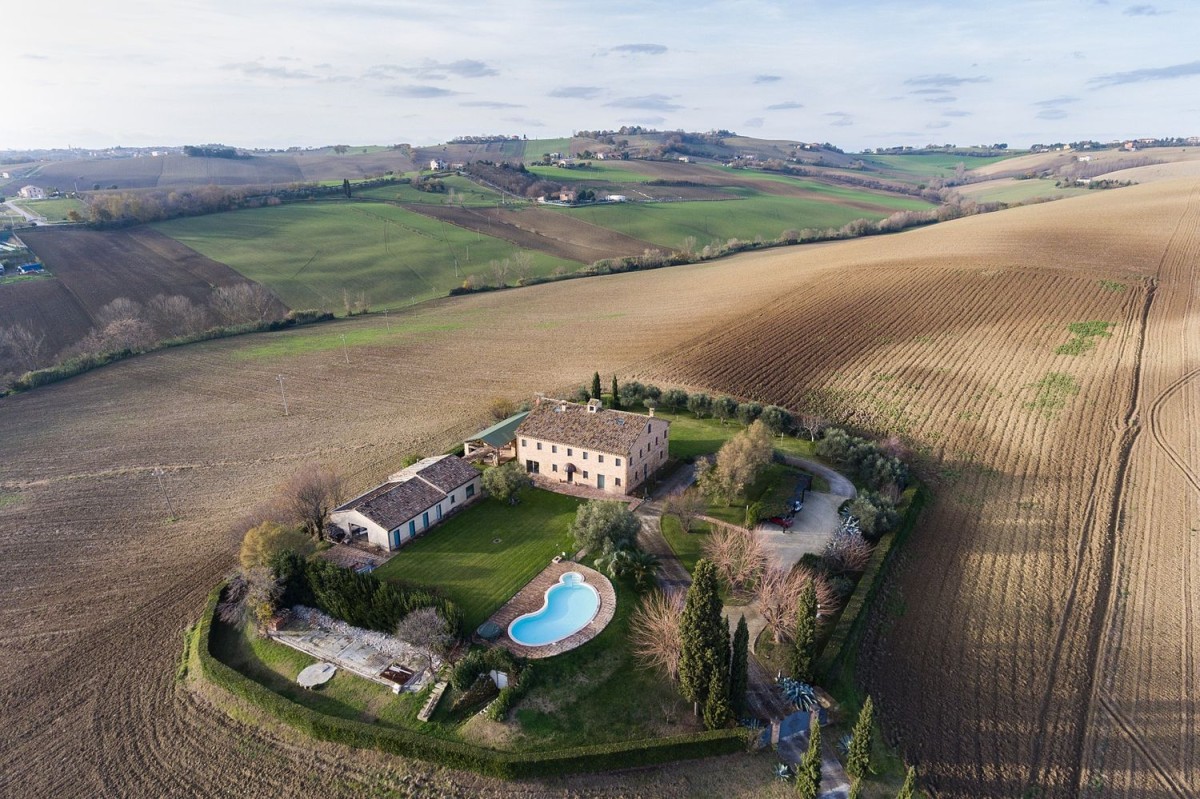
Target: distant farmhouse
32 193
589 445
410 502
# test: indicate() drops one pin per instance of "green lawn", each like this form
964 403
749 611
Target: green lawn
459 557
691 437
688 547
600 693
345 696
55 210
311 253
775 485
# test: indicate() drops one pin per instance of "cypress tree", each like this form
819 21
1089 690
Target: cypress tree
909 788
808 771
700 634
616 397
855 789
805 639
717 714
858 759
596 386
739 670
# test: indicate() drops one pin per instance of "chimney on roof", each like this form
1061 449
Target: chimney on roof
595 405
651 409
538 397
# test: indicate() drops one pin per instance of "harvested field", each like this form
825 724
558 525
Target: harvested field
92 268
541 230
1038 637
181 170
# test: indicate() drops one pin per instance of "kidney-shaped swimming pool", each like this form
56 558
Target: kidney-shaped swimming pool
569 605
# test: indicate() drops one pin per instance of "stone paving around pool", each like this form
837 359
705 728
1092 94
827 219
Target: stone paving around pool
532 597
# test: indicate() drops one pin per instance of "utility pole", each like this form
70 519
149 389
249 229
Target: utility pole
158 473
281 378
345 352
387 321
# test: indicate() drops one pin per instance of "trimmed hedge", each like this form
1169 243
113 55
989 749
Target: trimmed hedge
845 633
454 754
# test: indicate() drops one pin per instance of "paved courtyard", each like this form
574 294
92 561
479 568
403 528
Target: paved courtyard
811 528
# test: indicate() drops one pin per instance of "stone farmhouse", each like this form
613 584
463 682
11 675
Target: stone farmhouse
32 193
410 502
589 445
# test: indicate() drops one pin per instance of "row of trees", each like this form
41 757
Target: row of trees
125 325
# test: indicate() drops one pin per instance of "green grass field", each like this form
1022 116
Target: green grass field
599 171
465 193
1021 190
924 166
310 253
535 148
667 224
459 557
55 210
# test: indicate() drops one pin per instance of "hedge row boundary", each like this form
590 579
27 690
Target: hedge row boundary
844 634
454 754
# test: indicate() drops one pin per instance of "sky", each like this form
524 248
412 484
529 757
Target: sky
856 73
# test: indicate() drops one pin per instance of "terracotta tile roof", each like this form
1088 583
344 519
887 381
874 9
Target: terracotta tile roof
392 504
411 491
570 423
446 472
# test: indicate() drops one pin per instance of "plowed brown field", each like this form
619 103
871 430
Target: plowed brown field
1037 639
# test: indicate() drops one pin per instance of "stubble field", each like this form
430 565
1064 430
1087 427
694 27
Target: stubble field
1033 640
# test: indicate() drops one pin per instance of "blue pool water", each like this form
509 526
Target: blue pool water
570 604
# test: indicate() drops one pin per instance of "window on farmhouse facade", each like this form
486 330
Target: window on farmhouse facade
585 455
600 458
524 443
585 475
554 467
471 490
539 445
618 461
618 482
554 447
569 452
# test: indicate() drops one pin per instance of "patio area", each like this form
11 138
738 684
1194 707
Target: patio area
383 659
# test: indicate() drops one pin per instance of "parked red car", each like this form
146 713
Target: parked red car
781 521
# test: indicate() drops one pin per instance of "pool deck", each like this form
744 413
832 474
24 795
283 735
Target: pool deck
532 597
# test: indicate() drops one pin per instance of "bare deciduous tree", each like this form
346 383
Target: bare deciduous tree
427 631
22 348
779 591
812 422
654 631
847 551
501 408
244 303
174 316
687 505
738 555
311 494
118 310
